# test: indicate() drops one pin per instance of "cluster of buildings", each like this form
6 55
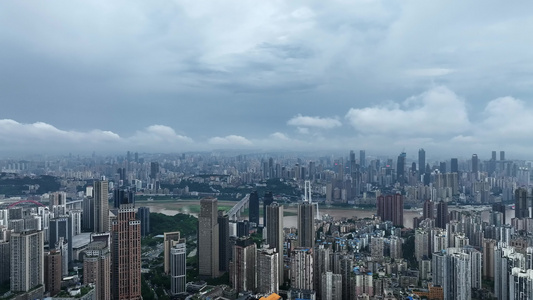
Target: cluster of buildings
43 246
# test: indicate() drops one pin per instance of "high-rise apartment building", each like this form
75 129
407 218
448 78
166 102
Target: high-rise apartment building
457 277
27 260
97 269
362 159
429 210
101 206
170 239
178 266
390 208
5 257
254 208
302 268
306 225
267 271
61 228
126 254
331 287
208 234
243 265
274 230
52 272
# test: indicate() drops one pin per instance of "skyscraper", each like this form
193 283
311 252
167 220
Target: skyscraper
5 257
27 260
421 161
97 269
521 203
224 245
274 229
302 268
502 155
457 277
390 208
475 166
169 240
52 272
178 265
267 271
243 263
101 206
268 199
122 196
144 216
362 159
126 254
400 168
429 210
208 234
442 215
306 225
61 228
331 288
254 208
454 165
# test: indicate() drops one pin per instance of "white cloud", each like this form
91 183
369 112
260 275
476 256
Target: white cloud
436 112
230 140
159 134
315 122
279 136
430 72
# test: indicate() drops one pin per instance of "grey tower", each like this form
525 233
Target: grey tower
101 206
208 262
306 225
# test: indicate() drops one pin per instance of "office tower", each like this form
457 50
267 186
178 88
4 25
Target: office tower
429 210
502 155
97 268
306 225
267 271
521 203
390 208
208 233
154 170
362 159
27 260
101 206
274 229
143 213
442 215
170 239
254 208
88 218
331 287
123 196
242 266
178 266
302 268
400 168
457 277
454 165
126 254
61 228
243 228
475 165
52 272
268 199
521 284
421 161
224 245
5 260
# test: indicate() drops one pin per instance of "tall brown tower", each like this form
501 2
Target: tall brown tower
101 206
52 272
208 262
126 254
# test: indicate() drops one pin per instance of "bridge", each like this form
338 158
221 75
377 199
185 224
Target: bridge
235 212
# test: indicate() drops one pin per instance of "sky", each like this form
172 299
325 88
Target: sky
173 76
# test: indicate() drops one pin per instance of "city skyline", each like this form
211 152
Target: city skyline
261 77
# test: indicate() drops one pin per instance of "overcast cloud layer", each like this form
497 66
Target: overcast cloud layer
172 76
